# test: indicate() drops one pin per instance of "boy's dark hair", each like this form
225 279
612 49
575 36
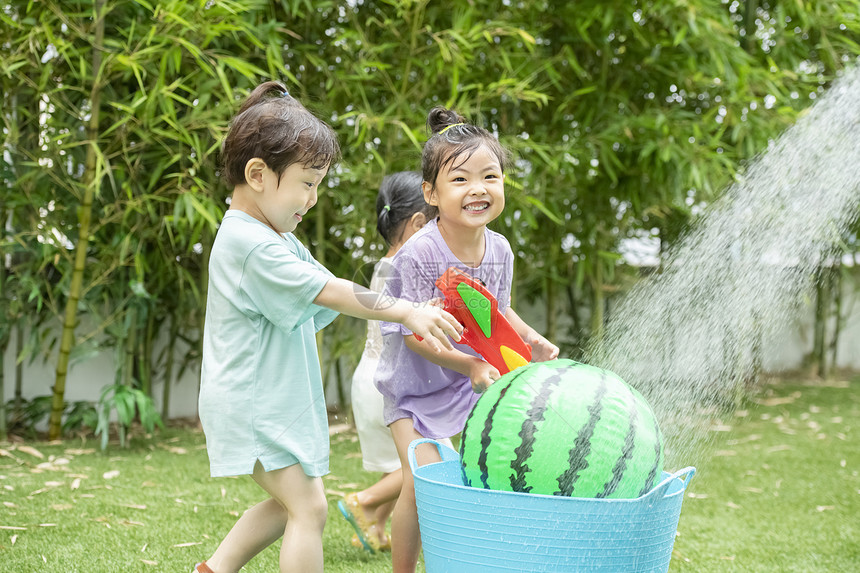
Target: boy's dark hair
275 127
399 198
451 137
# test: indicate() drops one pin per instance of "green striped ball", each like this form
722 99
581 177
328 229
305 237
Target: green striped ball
562 428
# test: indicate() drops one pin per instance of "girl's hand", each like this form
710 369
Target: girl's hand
542 349
434 325
482 375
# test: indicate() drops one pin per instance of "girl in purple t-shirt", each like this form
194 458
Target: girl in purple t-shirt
429 393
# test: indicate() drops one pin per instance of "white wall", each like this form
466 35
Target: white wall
87 378
786 351
781 353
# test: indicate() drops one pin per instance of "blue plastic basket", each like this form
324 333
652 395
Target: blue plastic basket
466 529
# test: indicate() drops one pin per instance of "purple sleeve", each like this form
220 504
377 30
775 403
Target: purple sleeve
504 298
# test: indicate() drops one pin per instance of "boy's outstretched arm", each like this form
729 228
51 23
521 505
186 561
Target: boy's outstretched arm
542 349
424 319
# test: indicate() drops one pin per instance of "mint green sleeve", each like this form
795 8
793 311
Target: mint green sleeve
280 285
323 316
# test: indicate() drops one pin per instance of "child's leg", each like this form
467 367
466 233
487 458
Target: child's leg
377 498
405 536
297 511
383 495
394 481
304 499
258 528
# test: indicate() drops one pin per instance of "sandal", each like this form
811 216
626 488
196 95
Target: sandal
351 511
383 545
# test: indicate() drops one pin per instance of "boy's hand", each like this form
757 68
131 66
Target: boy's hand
542 349
482 375
433 324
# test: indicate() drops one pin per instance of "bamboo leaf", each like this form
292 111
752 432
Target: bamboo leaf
245 68
554 217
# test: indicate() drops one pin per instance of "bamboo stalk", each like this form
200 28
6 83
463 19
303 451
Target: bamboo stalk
4 328
598 302
92 180
19 370
750 9
168 368
836 295
145 354
820 328
551 296
130 347
341 391
573 306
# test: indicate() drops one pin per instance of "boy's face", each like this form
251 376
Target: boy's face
284 202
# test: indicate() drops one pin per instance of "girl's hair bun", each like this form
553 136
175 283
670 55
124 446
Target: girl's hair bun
439 118
452 137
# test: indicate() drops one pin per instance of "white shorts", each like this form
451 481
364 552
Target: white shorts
377 446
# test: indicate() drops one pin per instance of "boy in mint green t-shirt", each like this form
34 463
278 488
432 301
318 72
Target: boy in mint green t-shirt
261 402
260 307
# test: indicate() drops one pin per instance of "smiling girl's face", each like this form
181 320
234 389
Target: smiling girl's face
471 193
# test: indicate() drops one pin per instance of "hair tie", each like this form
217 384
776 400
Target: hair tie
285 94
447 127
385 209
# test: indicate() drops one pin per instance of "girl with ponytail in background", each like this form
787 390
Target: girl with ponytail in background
401 212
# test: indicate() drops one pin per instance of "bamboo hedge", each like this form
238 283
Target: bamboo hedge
624 116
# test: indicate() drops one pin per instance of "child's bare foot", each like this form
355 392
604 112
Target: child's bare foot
378 531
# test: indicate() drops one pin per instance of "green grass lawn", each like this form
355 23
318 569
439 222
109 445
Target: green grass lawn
782 490
780 493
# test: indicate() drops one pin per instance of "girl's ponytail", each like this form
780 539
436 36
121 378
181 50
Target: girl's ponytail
400 197
383 212
263 92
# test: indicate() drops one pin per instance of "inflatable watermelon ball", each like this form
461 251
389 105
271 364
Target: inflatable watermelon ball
562 428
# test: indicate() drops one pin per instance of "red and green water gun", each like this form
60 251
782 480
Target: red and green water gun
485 329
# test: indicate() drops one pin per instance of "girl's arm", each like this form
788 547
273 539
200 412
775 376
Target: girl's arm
430 322
542 349
480 373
